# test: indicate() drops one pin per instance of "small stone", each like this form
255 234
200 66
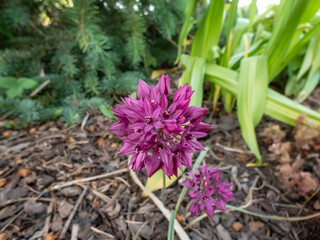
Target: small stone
18 192
223 233
227 220
216 219
64 209
44 180
56 224
255 225
34 208
71 191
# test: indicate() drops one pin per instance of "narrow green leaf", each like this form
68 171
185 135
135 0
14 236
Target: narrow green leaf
231 17
251 98
277 105
187 25
310 85
171 225
194 76
208 33
286 24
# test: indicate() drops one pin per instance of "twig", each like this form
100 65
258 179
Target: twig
84 121
12 201
38 89
308 200
116 195
274 217
232 149
198 219
48 219
74 210
74 231
11 221
139 230
102 232
249 197
101 196
88 179
177 227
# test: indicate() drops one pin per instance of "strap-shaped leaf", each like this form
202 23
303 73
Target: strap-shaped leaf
278 106
251 98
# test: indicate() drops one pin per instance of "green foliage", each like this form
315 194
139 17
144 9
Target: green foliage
90 50
15 86
239 41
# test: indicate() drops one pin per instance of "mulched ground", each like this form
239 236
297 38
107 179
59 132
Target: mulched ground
69 183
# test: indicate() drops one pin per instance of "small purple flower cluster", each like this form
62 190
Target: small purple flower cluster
208 193
160 136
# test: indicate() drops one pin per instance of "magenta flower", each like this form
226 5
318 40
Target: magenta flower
159 135
207 192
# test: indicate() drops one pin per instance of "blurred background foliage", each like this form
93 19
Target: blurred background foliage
90 50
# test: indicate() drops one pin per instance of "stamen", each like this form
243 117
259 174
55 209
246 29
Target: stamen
148 119
167 112
205 199
153 101
136 130
160 149
179 154
182 117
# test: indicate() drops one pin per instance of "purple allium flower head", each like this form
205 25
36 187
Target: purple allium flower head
159 135
207 192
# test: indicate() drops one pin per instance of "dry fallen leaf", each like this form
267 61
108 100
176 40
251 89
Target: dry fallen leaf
2 182
2 236
71 140
19 161
255 225
237 226
32 130
6 133
24 172
91 128
94 184
101 142
180 218
95 204
51 236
